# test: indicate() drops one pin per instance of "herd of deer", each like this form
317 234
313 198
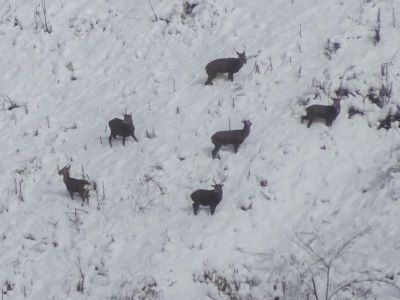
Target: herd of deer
211 198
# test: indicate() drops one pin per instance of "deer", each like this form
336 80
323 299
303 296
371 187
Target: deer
225 65
230 137
210 198
328 113
80 186
122 128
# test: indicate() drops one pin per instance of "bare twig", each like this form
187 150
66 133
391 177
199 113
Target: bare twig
270 63
347 243
104 194
47 27
314 288
310 250
328 273
377 29
155 16
81 282
256 68
345 285
327 258
394 18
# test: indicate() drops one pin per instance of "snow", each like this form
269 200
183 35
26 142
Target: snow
326 185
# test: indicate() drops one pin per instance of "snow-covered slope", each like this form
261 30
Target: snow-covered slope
331 198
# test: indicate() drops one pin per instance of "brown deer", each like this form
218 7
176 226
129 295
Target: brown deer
209 198
230 137
327 113
73 185
225 65
122 128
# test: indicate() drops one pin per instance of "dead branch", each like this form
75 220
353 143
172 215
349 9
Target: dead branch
81 282
155 15
314 288
345 285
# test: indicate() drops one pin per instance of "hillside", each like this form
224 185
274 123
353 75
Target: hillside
330 205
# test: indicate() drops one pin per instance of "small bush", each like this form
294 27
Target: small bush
377 28
380 96
146 290
354 111
343 92
331 48
389 120
232 286
188 9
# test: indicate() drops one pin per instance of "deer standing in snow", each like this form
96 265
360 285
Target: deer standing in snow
328 113
209 198
225 65
122 128
73 185
230 137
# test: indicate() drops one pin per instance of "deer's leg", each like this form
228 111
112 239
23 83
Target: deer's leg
329 122
195 207
230 76
83 196
71 195
310 120
215 151
212 209
123 141
109 140
236 147
211 76
303 118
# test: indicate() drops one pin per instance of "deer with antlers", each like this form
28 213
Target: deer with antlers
326 113
225 65
209 198
230 137
73 185
122 128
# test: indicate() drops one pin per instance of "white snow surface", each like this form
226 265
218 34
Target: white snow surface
325 184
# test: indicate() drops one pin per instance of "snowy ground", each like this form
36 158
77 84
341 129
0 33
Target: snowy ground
332 194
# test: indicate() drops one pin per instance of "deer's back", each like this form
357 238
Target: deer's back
228 137
75 185
117 126
320 111
204 197
223 65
